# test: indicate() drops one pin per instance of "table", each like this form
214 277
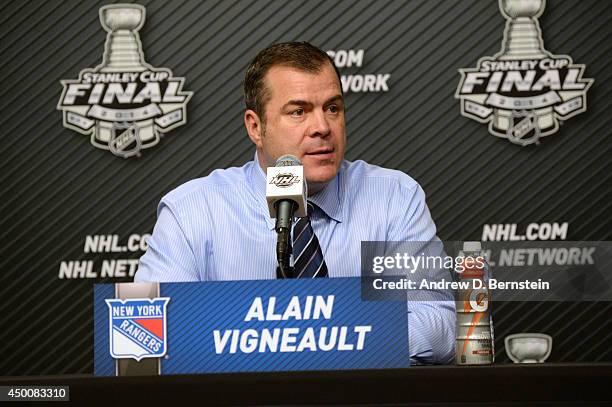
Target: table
557 384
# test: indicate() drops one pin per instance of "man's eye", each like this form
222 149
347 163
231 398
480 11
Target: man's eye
298 112
333 109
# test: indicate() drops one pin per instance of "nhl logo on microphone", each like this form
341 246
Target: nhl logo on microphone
284 180
286 183
523 92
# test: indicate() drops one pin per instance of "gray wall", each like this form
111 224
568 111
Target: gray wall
57 188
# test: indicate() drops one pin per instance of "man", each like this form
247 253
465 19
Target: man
218 227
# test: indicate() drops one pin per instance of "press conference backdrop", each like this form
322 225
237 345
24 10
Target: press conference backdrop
76 208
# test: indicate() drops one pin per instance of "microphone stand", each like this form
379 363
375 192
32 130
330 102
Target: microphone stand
284 270
284 219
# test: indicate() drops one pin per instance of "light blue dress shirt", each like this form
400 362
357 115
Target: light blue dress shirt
219 228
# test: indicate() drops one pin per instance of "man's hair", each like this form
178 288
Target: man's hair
299 55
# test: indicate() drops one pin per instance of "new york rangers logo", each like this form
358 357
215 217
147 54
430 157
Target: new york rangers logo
137 327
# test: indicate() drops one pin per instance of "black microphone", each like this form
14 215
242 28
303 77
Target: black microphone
286 192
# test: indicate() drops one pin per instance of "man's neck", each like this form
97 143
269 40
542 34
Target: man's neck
316 187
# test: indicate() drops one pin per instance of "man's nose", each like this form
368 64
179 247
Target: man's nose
319 125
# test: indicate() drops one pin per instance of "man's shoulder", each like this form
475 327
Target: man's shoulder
218 182
360 171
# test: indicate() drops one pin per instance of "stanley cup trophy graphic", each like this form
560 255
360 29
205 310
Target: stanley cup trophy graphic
123 53
124 104
523 91
523 41
522 36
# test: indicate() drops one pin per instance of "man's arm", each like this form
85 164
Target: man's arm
170 256
431 317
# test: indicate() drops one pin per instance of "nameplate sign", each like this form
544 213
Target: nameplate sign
248 326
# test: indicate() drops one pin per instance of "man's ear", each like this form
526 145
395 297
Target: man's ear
254 127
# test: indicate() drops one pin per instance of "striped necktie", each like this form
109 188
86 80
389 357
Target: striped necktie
308 257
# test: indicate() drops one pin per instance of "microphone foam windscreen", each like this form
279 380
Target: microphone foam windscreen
287 160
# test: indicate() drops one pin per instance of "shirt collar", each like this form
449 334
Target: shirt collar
328 199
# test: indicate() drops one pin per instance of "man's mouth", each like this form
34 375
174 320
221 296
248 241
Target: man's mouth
322 153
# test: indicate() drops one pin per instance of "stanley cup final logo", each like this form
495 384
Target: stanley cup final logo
124 104
523 91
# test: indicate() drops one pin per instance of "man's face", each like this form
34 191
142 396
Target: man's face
304 117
